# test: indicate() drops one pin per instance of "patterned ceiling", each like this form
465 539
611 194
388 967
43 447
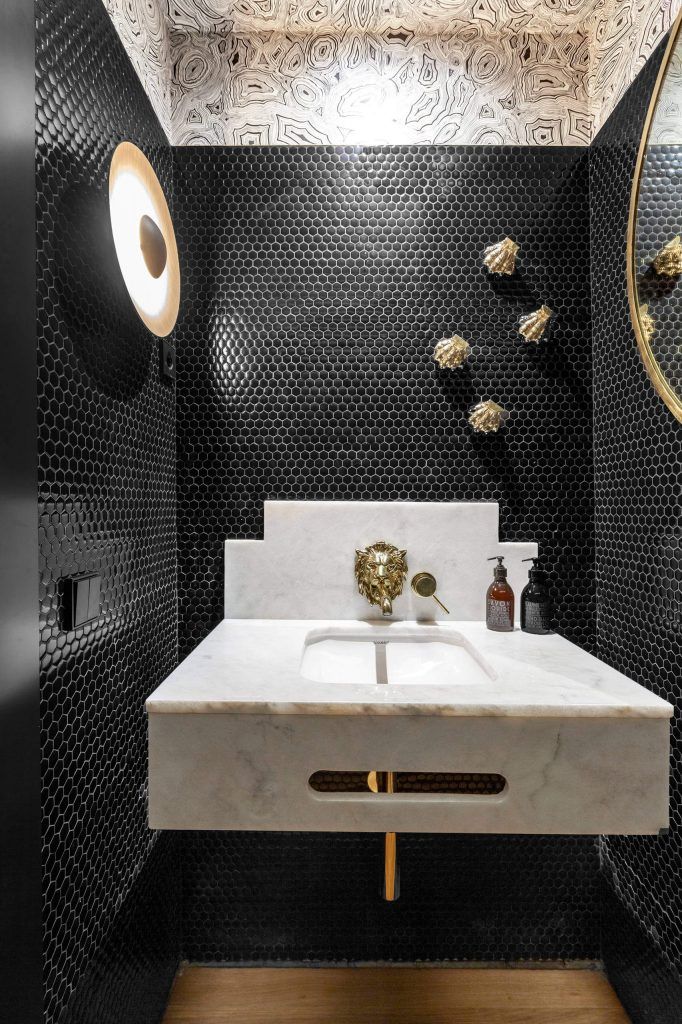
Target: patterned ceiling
378 72
424 17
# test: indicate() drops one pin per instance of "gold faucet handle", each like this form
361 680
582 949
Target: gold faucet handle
424 585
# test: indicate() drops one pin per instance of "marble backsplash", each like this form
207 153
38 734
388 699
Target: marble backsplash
303 569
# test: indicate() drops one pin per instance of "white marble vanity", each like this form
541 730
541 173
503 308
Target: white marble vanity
281 690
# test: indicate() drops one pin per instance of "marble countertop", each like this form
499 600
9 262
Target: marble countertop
253 666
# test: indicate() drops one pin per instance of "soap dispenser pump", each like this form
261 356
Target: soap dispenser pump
536 604
499 600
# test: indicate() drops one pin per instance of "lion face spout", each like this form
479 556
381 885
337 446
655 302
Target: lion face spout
380 571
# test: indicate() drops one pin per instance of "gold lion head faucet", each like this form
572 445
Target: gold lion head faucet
380 570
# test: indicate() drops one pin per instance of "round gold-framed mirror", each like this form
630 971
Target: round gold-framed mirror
654 245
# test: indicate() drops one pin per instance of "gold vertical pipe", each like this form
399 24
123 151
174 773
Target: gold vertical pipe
390 865
384 782
390 851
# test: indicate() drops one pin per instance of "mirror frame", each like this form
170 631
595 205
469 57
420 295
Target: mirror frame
656 375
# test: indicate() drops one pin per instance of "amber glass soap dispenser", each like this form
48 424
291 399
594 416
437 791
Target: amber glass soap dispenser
499 601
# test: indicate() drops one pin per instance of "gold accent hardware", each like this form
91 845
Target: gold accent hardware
647 323
384 782
380 571
390 865
668 263
424 585
642 321
500 258
450 353
534 325
487 417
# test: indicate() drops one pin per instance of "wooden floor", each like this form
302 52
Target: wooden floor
394 995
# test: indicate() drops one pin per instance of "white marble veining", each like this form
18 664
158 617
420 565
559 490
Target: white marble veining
303 568
237 730
254 667
564 775
303 677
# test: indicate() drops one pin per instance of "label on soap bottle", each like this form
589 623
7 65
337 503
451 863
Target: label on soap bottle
497 616
537 616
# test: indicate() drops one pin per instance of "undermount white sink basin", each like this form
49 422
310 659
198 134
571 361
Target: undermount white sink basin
392 655
241 727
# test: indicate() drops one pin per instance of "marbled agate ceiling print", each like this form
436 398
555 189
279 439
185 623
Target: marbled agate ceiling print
666 127
381 72
627 33
144 31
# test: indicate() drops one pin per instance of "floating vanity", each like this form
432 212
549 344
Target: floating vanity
286 714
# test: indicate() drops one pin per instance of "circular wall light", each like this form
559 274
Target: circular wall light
144 238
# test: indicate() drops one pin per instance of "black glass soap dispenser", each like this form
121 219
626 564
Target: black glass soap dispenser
537 610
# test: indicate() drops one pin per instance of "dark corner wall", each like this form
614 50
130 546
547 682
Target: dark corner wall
106 503
638 494
316 282
20 902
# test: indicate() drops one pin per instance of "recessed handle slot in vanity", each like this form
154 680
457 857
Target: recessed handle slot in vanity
424 783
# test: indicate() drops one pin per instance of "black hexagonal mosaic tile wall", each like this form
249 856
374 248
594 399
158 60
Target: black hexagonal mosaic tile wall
316 283
106 503
254 897
638 474
128 975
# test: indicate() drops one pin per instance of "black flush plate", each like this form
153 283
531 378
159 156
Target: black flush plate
81 599
167 355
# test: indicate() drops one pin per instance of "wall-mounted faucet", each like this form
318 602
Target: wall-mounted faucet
380 571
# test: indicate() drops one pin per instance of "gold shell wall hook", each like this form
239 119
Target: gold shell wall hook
500 258
487 417
668 263
450 353
534 325
647 322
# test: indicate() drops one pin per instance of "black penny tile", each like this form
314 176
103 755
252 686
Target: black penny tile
316 283
106 504
638 488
